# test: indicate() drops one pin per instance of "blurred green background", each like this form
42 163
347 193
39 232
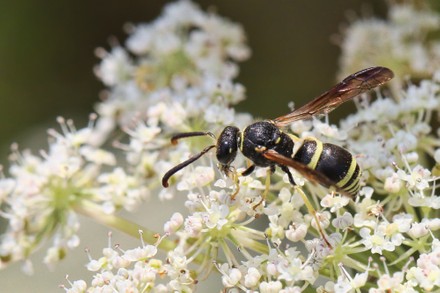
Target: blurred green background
47 56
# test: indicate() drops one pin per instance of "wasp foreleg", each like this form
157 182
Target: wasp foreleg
248 171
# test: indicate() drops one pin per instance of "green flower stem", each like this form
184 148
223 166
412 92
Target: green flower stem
403 257
248 238
354 264
250 244
410 209
94 211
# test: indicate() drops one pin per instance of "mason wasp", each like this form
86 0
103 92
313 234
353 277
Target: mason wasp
266 145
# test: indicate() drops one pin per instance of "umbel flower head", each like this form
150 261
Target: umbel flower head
172 71
402 42
42 195
256 232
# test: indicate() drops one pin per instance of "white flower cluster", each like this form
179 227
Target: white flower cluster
191 56
280 271
423 276
43 194
394 219
403 42
388 223
176 72
177 75
136 270
393 137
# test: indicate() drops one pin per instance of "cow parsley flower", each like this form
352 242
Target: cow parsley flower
258 233
43 192
135 269
392 139
184 60
400 42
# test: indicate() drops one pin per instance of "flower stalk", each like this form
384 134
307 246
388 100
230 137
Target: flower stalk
93 211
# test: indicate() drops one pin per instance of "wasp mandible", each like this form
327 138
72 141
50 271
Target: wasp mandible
266 145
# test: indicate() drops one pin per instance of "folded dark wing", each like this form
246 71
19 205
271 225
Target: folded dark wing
346 90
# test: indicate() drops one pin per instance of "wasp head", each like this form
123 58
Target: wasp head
227 145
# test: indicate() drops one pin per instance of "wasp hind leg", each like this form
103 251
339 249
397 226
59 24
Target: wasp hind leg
287 171
312 211
308 204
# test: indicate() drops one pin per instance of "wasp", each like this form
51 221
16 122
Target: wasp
265 144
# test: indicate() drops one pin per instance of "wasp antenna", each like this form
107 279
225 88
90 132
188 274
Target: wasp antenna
182 165
177 136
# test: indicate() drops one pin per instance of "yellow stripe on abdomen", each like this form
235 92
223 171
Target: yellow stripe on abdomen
315 158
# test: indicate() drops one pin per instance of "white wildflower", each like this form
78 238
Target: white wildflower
344 221
174 223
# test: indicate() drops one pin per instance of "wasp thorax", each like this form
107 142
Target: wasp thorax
227 145
261 136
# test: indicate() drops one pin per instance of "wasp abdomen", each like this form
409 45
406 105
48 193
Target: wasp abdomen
333 161
307 153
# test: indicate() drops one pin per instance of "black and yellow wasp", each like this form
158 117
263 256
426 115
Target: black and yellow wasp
266 145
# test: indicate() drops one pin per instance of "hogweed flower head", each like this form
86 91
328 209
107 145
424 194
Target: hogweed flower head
401 42
43 194
43 191
176 75
136 270
173 70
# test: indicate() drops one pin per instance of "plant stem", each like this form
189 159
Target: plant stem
94 211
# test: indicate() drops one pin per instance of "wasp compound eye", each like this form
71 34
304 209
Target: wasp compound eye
227 145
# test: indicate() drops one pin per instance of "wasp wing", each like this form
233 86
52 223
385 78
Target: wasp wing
312 175
347 89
